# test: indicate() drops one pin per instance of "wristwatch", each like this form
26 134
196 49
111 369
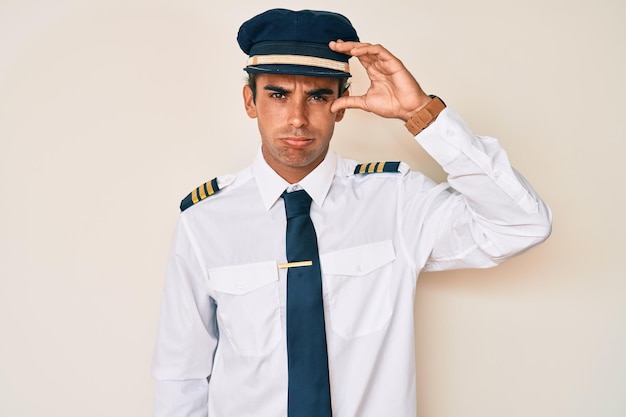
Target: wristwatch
427 114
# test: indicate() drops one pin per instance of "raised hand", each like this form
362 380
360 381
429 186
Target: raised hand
393 92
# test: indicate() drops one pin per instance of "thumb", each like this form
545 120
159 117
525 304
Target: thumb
348 102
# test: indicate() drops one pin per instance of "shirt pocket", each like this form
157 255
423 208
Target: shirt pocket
356 283
248 306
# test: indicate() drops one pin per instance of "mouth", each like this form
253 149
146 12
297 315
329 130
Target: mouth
297 141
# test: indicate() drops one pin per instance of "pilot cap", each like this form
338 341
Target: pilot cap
281 41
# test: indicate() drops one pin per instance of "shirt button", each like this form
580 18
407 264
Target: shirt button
359 268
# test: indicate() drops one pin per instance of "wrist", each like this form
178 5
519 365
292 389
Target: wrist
423 116
424 100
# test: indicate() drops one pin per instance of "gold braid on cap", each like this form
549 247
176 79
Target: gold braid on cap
299 60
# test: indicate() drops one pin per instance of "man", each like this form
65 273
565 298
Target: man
275 308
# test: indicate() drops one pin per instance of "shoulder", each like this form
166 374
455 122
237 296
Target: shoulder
200 193
367 170
380 167
211 189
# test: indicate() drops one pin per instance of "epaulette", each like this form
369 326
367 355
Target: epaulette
376 167
200 193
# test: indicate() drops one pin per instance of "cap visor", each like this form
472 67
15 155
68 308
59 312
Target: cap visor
296 70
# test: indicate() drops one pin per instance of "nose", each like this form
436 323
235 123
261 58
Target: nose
298 114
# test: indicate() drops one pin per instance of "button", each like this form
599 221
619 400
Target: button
226 180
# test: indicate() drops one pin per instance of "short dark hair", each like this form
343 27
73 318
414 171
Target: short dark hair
343 84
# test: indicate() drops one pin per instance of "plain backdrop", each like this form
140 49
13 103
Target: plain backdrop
112 111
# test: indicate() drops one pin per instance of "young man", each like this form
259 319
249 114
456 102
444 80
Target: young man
290 286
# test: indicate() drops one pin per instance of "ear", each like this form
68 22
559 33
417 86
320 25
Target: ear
248 102
339 115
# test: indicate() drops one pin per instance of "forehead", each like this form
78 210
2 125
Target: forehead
292 82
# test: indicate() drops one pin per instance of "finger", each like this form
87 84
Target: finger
348 102
344 47
360 48
373 51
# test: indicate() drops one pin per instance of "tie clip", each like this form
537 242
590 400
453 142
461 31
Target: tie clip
295 264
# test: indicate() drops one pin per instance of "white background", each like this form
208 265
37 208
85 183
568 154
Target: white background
112 111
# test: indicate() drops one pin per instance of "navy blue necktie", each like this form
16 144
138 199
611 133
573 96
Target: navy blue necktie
309 388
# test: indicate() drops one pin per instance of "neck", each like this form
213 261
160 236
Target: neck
292 173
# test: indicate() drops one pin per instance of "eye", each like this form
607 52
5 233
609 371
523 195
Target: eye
318 97
277 95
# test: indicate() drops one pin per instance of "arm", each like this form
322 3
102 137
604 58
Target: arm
487 212
187 334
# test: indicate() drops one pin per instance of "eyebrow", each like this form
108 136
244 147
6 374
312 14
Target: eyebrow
276 89
321 92
315 92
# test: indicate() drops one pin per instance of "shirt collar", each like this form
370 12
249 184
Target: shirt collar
316 184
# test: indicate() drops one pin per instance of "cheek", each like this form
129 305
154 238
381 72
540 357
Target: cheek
272 116
320 113
266 118
324 120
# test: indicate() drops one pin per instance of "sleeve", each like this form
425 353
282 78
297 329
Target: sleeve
187 334
485 214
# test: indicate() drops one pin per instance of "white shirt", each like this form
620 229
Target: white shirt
223 308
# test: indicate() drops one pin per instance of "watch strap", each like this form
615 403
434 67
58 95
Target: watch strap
425 116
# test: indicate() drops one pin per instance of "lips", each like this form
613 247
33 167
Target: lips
297 141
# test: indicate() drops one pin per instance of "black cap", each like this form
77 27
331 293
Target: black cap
281 41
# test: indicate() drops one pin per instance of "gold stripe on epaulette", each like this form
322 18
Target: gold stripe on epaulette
202 192
376 167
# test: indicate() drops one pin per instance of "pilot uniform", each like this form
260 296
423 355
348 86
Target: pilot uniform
221 347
